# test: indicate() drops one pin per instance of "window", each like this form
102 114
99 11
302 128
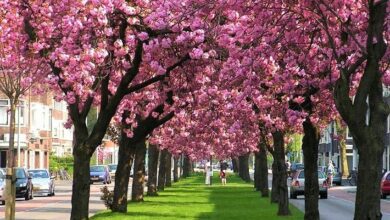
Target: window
4 112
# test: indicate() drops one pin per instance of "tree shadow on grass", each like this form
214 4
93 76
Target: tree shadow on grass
142 215
238 200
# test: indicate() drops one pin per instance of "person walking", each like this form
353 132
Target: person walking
222 175
330 173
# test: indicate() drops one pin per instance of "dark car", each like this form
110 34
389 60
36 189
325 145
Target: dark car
100 173
337 178
24 186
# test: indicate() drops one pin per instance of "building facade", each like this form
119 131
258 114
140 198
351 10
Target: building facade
39 130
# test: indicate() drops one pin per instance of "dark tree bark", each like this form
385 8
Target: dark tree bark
137 193
275 179
235 164
125 160
262 173
175 169
280 166
81 183
186 166
256 177
162 170
366 114
310 143
244 167
168 169
152 170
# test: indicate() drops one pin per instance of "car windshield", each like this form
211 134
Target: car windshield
20 174
38 173
97 169
302 175
112 167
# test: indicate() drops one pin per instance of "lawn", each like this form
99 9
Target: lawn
191 199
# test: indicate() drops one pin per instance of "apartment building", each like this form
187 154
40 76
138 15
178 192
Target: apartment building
39 130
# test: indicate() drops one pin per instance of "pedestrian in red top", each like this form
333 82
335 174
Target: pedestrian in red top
222 175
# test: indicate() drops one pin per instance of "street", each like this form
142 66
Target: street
56 207
340 204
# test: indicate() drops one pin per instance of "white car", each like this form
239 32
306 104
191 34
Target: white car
112 169
298 184
2 187
43 183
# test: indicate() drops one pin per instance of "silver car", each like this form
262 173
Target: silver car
298 185
2 187
42 181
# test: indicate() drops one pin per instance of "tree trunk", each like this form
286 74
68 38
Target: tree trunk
81 182
137 193
122 174
186 166
168 169
310 157
161 171
152 170
235 164
175 169
10 189
256 177
341 132
244 167
343 157
368 193
280 164
263 171
275 179
366 114
11 147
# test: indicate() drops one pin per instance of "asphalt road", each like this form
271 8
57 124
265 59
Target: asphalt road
340 204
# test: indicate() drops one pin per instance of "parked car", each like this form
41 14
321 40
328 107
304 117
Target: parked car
385 185
297 166
2 187
298 184
100 173
42 181
337 177
24 185
112 168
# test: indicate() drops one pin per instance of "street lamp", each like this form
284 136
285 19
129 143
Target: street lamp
18 109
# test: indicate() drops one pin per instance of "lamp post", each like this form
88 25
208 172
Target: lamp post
18 109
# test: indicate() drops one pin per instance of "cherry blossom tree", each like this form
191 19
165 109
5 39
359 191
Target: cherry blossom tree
101 51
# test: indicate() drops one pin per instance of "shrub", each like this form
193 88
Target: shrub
107 197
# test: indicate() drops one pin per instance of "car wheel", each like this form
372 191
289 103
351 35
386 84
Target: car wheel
324 195
293 196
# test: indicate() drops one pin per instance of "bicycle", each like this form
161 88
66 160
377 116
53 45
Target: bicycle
352 179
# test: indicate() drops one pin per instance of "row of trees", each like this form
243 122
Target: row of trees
219 78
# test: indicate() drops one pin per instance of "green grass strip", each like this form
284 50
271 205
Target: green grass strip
190 198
